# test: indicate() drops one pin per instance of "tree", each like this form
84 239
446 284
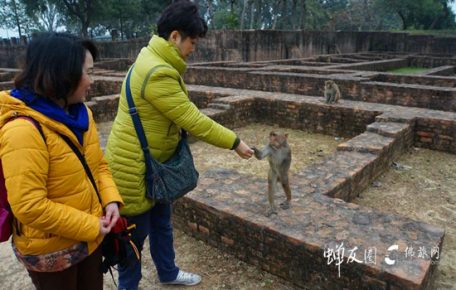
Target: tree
44 13
421 14
12 15
444 19
82 10
132 18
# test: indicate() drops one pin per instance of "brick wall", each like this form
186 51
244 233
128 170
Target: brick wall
257 45
357 88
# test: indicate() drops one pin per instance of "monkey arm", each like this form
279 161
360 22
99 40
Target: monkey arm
260 154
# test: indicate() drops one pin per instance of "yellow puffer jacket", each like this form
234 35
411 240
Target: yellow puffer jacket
161 99
48 190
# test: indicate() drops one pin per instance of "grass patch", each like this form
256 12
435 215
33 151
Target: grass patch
408 70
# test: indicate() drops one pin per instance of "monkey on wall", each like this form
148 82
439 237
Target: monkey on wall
332 92
278 153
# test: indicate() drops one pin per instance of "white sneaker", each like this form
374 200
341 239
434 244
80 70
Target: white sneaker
185 278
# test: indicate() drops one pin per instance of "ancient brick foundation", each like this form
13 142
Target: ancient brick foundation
304 244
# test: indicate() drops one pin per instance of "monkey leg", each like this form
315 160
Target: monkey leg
270 212
286 188
272 189
327 98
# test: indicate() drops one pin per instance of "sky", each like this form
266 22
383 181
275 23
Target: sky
11 32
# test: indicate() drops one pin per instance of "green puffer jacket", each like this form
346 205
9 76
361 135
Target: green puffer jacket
163 105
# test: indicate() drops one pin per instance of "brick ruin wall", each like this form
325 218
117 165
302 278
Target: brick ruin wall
255 45
225 209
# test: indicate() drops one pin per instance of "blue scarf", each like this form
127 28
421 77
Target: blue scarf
77 118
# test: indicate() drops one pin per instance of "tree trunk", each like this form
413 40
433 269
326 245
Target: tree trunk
283 15
85 28
276 14
293 16
258 14
82 11
252 14
16 18
244 8
404 22
442 15
122 33
210 12
302 16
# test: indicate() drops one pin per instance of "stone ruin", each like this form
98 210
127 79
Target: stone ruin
323 241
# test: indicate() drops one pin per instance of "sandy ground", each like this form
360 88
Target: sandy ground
424 191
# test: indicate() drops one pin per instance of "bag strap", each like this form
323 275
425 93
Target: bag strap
138 125
37 126
33 121
83 162
148 158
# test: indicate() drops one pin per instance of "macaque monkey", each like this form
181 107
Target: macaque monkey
279 157
332 92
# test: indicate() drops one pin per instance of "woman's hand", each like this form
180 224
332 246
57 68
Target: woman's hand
243 150
112 214
104 226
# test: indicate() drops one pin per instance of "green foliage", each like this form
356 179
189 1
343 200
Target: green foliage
421 14
131 18
153 29
135 18
224 19
408 70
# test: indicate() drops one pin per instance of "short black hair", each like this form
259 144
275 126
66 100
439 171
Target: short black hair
184 17
53 62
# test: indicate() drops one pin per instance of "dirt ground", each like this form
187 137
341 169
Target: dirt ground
423 189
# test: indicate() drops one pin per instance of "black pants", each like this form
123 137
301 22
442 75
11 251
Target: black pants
86 275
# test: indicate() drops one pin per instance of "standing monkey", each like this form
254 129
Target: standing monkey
332 92
279 157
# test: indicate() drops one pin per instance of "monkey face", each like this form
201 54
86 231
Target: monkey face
329 84
277 140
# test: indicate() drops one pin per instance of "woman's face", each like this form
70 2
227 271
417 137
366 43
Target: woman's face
82 90
185 45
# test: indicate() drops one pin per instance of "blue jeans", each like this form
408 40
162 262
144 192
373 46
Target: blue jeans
155 223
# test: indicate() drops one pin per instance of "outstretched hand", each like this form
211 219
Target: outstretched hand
243 150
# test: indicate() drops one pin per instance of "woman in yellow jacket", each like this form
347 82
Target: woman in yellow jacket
59 221
163 105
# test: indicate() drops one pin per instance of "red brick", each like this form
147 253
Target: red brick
193 226
227 241
424 134
203 230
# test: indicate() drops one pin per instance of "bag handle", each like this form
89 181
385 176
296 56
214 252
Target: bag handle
84 164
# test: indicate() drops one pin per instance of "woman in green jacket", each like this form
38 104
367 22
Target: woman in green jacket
162 102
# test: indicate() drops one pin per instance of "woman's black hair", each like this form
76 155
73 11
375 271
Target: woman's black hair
184 17
53 63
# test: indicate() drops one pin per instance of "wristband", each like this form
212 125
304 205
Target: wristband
236 143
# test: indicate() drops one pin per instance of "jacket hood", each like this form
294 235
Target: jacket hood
11 107
168 52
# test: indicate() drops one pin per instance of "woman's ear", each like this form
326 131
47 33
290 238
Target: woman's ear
174 36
